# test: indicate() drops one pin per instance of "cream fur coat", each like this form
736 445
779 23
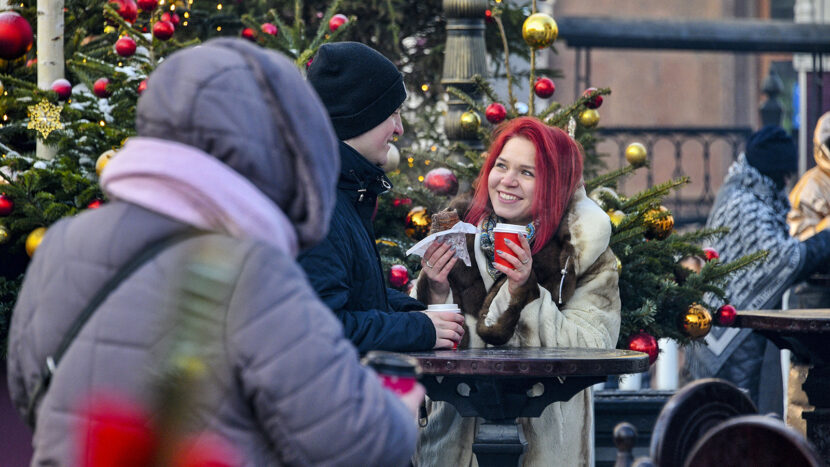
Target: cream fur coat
589 316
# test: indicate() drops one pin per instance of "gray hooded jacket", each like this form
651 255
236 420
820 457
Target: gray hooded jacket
285 386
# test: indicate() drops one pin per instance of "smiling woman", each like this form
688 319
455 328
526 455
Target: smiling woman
560 288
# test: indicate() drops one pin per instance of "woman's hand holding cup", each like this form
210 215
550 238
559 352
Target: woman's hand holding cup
512 257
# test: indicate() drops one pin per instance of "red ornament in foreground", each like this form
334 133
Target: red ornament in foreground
644 342
6 205
142 86
495 113
63 88
595 102
441 181
336 21
125 46
544 87
163 30
711 254
15 35
398 276
95 204
100 87
269 28
127 10
726 315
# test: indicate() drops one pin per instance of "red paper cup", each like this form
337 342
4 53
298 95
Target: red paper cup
507 231
397 372
452 307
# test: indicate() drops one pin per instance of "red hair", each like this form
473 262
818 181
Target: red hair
558 173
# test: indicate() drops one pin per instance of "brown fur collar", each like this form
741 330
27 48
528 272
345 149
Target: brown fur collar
468 287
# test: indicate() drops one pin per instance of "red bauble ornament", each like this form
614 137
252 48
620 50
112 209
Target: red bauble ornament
441 181
63 88
100 87
116 431
127 10
644 342
544 87
142 86
6 205
172 17
163 30
15 35
95 204
595 102
269 28
249 34
308 63
711 254
726 315
337 20
488 16
147 5
401 202
125 46
398 276
495 113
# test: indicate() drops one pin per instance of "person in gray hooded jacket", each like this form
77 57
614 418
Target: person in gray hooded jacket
234 143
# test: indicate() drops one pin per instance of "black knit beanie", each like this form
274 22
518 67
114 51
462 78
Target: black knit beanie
359 87
772 151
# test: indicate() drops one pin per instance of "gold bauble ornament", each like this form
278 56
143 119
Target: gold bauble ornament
589 118
417 223
697 321
4 234
393 159
34 239
470 121
636 154
616 217
103 160
600 194
659 223
540 30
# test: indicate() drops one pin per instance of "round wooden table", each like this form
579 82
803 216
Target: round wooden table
807 334
494 384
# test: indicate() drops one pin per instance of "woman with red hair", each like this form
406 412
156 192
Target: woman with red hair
561 291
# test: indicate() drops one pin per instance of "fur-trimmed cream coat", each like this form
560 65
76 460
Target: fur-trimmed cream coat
588 316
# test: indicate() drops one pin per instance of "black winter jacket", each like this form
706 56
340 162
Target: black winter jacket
345 268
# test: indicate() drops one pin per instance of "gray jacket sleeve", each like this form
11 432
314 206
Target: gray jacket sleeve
302 376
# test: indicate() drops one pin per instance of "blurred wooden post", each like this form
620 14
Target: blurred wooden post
464 57
50 59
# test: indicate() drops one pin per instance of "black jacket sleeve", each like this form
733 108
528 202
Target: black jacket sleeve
817 255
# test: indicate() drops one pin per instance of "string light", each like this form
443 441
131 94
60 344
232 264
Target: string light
5 118
120 64
161 2
102 123
426 162
420 178
411 160
187 14
184 23
219 6
433 148
218 28
172 7
425 87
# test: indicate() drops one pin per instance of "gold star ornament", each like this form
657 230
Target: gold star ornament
45 117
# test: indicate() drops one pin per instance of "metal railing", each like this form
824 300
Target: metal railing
702 153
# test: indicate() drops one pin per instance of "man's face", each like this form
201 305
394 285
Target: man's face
374 144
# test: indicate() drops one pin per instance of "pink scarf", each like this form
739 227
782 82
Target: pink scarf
187 184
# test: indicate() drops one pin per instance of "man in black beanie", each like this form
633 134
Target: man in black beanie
363 92
752 203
